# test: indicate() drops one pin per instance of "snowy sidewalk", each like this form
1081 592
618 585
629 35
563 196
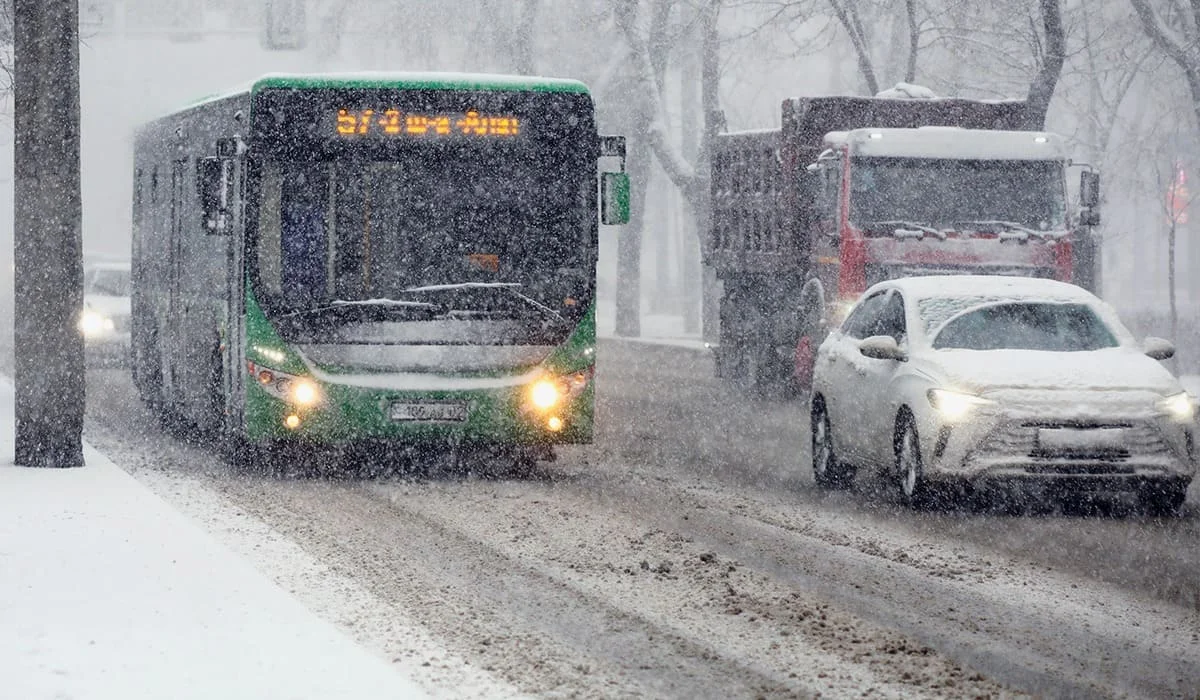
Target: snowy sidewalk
108 592
657 329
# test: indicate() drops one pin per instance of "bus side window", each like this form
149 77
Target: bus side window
303 244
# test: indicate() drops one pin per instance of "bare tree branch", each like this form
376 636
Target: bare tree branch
853 27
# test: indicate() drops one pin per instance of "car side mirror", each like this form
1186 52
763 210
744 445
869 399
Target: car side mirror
1158 348
882 347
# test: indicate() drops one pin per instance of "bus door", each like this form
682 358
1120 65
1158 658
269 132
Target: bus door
171 335
233 331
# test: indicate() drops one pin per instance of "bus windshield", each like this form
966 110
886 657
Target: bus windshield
466 236
958 194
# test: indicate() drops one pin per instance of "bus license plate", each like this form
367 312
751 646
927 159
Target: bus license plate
428 411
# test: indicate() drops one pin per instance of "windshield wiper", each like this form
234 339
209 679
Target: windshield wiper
510 287
371 304
1012 230
910 229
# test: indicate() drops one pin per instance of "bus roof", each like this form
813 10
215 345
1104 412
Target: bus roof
427 81
414 80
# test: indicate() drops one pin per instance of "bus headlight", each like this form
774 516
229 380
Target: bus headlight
304 392
93 323
550 391
544 394
298 391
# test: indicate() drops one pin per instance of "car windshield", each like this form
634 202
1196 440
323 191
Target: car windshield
1023 325
113 282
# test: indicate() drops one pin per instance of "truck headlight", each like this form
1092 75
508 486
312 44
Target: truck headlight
1179 407
954 406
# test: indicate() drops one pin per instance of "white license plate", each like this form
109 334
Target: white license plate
1081 439
428 411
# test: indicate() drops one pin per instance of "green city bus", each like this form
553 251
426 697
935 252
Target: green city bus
406 260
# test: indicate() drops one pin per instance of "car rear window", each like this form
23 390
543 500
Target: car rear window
1053 326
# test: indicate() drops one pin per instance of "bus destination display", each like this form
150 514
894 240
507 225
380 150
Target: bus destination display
386 123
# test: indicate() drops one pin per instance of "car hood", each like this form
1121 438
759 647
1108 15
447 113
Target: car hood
109 306
1111 369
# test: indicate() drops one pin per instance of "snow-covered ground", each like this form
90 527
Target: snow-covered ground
106 591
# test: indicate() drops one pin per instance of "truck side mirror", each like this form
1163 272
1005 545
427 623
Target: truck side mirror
614 198
1089 189
1089 217
213 183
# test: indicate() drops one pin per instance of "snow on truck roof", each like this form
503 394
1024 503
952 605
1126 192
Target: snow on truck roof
935 286
951 142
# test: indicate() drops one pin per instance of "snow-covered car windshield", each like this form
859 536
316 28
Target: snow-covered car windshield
111 282
945 193
1024 325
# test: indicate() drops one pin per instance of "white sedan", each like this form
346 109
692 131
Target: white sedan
985 382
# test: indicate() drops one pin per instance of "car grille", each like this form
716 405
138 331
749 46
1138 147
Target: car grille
1018 441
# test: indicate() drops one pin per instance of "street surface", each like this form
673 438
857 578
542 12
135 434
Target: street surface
688 554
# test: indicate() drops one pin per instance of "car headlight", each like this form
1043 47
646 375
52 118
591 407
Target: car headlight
1179 407
954 406
93 323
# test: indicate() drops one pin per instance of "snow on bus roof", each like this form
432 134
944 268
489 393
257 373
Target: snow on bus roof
951 142
435 80
934 286
443 80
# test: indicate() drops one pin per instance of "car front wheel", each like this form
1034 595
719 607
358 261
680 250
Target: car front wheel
910 469
828 472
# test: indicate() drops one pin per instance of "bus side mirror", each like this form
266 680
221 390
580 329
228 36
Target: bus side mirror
213 183
614 198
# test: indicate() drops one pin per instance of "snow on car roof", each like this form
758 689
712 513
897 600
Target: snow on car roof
932 286
951 142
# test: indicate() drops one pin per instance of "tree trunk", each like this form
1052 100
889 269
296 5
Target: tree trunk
1041 89
47 250
629 244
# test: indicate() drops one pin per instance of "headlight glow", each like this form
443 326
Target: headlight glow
955 406
304 393
544 394
1179 407
92 323
298 391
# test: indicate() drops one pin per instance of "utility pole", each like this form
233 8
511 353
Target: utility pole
47 242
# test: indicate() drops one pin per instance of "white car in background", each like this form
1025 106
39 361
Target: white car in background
1028 386
104 320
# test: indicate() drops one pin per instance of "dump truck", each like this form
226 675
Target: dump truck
850 191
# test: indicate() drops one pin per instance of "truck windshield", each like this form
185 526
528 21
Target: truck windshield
958 194
461 236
